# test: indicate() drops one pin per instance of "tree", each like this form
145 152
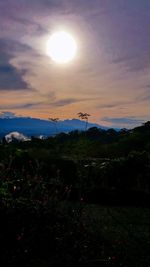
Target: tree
55 120
84 116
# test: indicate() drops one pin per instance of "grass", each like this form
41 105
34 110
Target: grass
65 233
39 231
124 232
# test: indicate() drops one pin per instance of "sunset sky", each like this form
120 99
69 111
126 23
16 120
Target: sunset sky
109 77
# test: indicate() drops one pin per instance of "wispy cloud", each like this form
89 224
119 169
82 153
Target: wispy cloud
21 106
123 121
115 104
64 102
130 35
68 101
145 95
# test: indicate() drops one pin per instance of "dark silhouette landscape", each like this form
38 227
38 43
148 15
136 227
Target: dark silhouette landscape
75 133
77 198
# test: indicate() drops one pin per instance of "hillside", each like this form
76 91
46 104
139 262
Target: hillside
36 127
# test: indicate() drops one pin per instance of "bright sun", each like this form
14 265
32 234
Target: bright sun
61 47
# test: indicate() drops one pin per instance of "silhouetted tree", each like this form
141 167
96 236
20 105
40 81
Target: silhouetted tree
54 120
84 116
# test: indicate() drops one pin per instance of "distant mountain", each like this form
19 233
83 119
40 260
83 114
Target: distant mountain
37 127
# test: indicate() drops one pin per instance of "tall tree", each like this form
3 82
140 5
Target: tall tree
55 120
84 116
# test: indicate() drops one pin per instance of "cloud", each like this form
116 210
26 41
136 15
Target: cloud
83 8
123 120
21 106
68 101
135 62
44 102
28 25
10 77
129 35
7 114
64 102
110 105
145 96
113 39
26 5
115 104
122 29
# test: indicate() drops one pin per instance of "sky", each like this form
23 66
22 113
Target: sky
109 77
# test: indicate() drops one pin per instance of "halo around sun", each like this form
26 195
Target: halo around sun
61 47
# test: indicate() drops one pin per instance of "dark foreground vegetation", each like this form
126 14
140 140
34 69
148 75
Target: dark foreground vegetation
77 199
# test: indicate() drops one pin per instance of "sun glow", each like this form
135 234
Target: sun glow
61 47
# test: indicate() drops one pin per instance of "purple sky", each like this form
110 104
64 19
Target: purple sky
110 76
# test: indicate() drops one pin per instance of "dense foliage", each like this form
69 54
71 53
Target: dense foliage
47 188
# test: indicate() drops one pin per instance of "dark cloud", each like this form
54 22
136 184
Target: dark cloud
123 120
64 102
29 105
10 77
110 105
30 26
21 106
10 46
68 101
53 102
115 104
